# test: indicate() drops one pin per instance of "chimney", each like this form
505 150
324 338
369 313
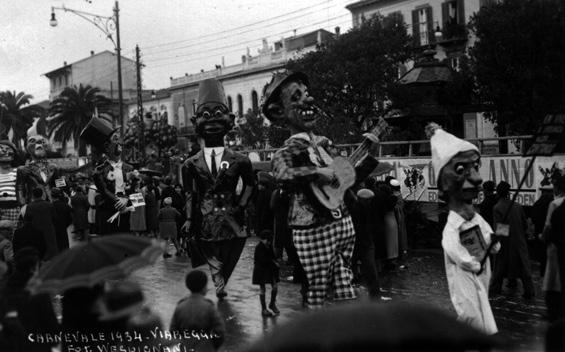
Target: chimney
319 38
294 31
243 58
337 31
223 61
91 52
64 63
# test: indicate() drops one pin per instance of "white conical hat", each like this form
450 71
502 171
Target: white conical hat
445 146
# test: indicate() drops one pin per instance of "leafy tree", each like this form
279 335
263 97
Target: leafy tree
71 111
17 114
352 73
252 130
518 61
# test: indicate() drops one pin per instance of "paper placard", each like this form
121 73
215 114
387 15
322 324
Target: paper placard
137 199
502 230
60 182
472 239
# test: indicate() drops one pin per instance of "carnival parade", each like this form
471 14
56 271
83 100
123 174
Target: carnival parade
397 185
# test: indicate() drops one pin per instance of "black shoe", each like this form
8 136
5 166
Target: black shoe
166 255
221 295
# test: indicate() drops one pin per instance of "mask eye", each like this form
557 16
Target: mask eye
477 165
459 169
206 115
31 140
219 113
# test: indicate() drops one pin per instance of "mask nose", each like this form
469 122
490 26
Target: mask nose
474 178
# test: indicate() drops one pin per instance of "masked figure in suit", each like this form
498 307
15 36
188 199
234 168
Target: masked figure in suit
215 209
109 174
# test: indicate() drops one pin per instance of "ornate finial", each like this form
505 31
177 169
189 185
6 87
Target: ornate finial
431 129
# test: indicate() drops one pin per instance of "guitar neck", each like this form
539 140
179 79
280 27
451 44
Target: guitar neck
360 152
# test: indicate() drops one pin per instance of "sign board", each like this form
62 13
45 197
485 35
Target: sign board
472 239
418 179
549 134
60 182
137 199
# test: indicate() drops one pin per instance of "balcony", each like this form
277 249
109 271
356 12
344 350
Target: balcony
452 33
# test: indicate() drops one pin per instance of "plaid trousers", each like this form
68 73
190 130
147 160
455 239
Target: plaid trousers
325 253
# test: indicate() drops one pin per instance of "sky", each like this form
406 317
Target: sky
175 36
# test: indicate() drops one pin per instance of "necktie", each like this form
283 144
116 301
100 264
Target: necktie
214 168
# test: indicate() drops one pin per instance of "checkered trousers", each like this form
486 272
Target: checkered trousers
325 253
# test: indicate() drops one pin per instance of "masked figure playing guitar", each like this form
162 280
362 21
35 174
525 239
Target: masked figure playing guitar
322 232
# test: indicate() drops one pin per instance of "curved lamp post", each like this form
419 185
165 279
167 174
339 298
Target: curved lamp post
107 25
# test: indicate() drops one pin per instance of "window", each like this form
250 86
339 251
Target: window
455 63
255 101
230 103
181 116
422 26
239 105
453 12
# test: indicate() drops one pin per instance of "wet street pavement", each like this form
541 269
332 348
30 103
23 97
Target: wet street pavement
423 281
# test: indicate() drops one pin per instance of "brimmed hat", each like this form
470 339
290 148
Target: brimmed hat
168 201
365 193
9 144
56 192
122 300
271 89
96 132
445 146
211 91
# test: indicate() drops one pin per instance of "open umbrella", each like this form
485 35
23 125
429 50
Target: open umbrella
149 172
375 327
87 264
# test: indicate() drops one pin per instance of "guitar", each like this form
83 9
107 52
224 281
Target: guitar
331 195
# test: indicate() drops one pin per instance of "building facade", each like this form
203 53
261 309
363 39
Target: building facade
243 83
439 25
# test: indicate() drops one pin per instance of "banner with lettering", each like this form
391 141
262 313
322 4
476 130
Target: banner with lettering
418 179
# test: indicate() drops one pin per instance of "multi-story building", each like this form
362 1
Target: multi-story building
243 82
439 25
98 70
156 103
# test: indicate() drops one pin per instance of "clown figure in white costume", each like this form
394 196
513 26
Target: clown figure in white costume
466 235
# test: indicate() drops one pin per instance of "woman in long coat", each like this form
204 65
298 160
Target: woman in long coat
137 221
512 261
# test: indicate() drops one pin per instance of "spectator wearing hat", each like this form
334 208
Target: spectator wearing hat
34 312
400 221
150 194
168 217
62 218
41 214
198 313
266 271
390 226
512 260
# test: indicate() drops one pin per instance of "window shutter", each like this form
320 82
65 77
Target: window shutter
461 12
430 23
444 14
415 28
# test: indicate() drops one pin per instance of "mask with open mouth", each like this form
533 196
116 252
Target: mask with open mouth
37 147
7 152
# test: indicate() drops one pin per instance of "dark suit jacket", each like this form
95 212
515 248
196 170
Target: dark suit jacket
27 236
41 214
214 207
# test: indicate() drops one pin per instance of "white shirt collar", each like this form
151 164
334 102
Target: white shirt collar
217 150
456 220
116 164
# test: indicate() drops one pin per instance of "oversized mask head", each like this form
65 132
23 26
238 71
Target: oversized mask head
460 179
113 146
287 102
213 119
37 146
7 152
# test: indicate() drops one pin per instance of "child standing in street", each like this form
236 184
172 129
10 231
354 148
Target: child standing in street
196 313
168 224
266 271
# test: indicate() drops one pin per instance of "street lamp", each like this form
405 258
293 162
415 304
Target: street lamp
107 25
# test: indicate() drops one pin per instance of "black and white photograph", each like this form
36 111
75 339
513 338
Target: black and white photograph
254 175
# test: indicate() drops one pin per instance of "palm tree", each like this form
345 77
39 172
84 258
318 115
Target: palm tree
17 114
71 111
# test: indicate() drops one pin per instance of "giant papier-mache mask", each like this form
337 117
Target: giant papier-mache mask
100 134
213 119
7 152
37 145
456 163
286 101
